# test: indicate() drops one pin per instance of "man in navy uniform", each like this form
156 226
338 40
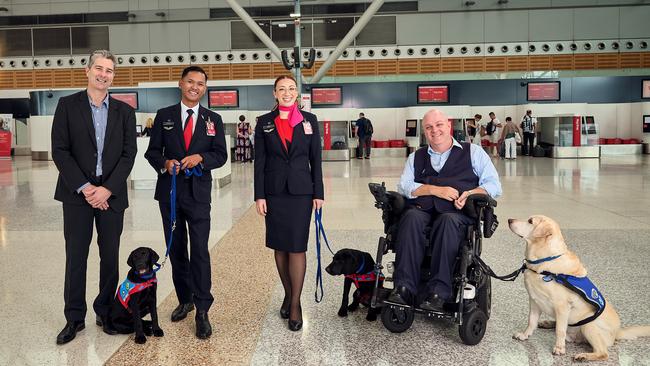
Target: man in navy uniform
188 140
437 179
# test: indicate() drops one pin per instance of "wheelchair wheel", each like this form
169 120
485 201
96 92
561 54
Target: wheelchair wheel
484 296
397 320
473 328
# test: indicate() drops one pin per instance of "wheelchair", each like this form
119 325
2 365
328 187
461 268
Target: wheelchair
471 285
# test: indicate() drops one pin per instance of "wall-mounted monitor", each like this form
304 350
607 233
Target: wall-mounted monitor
225 98
646 124
543 91
130 98
430 94
326 96
645 92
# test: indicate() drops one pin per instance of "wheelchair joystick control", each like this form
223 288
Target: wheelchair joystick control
390 267
469 292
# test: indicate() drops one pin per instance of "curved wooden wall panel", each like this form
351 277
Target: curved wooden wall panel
131 76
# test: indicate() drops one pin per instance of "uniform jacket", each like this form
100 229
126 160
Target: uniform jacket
74 149
166 143
299 169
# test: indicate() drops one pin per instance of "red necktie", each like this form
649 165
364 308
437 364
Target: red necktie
187 132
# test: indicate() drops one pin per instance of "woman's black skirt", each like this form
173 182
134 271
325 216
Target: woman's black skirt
287 221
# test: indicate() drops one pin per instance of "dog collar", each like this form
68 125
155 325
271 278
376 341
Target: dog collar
542 260
149 275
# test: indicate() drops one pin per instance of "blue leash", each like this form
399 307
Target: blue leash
318 222
197 171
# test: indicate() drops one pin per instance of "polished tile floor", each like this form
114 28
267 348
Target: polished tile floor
603 207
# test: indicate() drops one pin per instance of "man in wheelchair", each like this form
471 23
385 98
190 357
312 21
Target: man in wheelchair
437 180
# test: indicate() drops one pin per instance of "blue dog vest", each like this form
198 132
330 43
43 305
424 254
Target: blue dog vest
583 287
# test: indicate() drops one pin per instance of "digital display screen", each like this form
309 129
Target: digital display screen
223 98
645 94
433 94
646 124
544 91
130 98
326 96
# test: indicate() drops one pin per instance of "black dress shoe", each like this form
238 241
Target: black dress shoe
400 295
433 303
181 311
296 325
203 327
70 331
284 309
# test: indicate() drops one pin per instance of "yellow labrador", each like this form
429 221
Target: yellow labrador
546 251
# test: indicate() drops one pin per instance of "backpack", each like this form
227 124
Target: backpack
489 129
369 130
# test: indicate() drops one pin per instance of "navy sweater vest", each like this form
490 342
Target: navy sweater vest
457 173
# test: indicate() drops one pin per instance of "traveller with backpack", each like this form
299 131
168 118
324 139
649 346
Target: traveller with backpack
493 130
364 132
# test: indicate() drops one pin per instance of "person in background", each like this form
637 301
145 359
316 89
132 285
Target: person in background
479 126
243 152
508 136
94 148
364 131
528 125
288 187
493 130
147 128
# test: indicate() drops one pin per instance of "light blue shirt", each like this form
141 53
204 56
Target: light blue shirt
488 178
100 120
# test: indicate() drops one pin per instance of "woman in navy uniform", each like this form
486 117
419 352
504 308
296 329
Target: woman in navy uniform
288 186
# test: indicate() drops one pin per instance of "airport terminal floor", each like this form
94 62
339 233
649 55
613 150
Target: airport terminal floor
602 206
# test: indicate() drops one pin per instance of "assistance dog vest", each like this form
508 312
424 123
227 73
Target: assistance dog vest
128 288
583 287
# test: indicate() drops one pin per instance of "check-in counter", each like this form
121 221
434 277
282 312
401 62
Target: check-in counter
143 176
572 152
40 132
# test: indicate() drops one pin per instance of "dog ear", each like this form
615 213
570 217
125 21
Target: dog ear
542 230
129 261
154 256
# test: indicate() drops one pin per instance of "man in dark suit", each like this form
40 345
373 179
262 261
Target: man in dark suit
93 147
187 138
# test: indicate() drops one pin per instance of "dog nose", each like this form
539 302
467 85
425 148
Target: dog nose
510 221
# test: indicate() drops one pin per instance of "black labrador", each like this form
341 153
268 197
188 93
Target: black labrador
136 297
357 266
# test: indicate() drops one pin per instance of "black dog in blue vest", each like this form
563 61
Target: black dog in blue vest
136 297
358 267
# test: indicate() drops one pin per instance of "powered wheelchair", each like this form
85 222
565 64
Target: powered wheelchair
471 285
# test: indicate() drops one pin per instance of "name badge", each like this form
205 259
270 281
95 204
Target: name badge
168 125
307 126
209 128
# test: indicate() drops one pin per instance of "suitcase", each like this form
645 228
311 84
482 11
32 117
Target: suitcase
539 152
502 149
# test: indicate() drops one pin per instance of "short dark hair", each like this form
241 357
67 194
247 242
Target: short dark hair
491 114
508 119
189 69
362 115
242 118
478 116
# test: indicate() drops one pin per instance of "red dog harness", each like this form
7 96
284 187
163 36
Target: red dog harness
365 277
128 288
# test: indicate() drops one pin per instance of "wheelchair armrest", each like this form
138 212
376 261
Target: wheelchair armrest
475 202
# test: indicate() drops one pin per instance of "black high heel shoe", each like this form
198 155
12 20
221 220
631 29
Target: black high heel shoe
284 309
296 325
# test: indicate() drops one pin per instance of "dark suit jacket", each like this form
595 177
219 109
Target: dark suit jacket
166 143
299 169
74 149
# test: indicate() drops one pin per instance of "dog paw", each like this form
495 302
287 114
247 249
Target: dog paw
559 350
581 357
158 332
520 336
343 312
140 339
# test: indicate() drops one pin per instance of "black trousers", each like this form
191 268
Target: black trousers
191 272
364 146
447 233
78 232
528 143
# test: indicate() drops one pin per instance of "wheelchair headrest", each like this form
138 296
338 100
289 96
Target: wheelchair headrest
475 202
393 201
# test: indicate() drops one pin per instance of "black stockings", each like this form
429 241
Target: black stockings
291 268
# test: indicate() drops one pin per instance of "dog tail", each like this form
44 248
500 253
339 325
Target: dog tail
633 332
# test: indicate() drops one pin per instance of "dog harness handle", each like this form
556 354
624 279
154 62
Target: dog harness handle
318 222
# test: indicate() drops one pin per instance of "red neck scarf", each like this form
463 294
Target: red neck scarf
295 116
